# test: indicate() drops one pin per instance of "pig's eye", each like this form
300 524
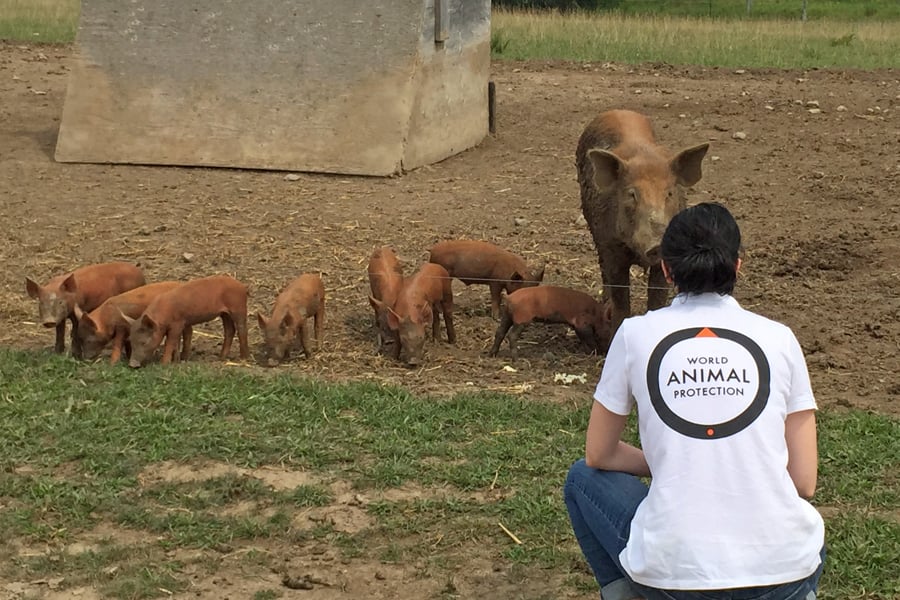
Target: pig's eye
631 197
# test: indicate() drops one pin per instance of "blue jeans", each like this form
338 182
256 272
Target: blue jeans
601 505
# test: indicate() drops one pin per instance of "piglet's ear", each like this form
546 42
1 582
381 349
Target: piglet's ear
608 168
687 165
516 276
393 319
126 318
287 322
79 314
147 322
33 289
539 275
69 285
377 304
263 322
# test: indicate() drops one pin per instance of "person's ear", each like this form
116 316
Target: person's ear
737 266
665 270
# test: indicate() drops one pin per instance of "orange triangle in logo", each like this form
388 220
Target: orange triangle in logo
706 332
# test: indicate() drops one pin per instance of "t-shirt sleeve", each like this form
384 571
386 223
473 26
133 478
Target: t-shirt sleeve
614 389
801 394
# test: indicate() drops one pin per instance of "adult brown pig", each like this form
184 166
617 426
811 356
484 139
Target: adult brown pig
423 297
88 287
631 187
551 304
301 299
170 316
473 261
385 281
105 324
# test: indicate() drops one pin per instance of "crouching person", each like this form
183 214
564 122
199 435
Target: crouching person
728 437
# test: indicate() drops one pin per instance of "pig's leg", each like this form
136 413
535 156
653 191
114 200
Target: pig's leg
228 326
320 323
60 345
496 288
240 324
436 310
77 350
303 331
505 323
513 337
657 288
173 334
447 308
616 285
117 343
186 337
586 335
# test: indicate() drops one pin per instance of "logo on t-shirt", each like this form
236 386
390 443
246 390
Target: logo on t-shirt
708 382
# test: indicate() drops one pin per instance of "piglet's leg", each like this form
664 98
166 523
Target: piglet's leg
303 332
60 345
228 325
117 343
447 309
186 337
240 324
505 323
513 338
173 334
320 323
496 288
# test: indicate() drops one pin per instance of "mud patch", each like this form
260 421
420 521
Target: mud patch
277 478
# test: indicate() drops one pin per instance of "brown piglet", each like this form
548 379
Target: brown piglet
473 261
171 314
423 298
631 187
385 281
552 304
88 287
105 324
298 301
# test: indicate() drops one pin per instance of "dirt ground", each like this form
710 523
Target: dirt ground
807 160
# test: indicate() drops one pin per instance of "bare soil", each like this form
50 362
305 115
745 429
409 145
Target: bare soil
813 181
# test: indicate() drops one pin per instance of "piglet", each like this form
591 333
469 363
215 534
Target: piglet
302 298
105 324
87 287
473 261
552 304
171 314
385 281
423 297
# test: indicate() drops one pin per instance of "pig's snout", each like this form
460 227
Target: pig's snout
414 361
134 363
654 254
272 362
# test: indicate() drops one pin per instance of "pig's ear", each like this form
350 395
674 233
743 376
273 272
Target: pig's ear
393 319
126 318
516 276
32 287
686 165
147 322
263 322
377 304
539 275
287 322
68 284
608 168
84 320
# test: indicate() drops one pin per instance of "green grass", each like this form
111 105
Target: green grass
51 21
525 35
76 440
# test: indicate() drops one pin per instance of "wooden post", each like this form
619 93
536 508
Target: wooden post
803 16
749 7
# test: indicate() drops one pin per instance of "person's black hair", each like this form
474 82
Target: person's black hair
701 247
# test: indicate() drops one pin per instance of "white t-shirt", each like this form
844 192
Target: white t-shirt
713 384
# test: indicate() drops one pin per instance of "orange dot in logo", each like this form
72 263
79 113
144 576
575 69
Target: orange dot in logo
710 431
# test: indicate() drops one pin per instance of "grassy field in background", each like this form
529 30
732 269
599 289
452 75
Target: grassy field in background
75 437
39 20
605 36
527 35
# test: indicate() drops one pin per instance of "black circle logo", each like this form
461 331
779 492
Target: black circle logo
708 431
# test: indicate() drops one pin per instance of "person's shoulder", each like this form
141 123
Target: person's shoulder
762 322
